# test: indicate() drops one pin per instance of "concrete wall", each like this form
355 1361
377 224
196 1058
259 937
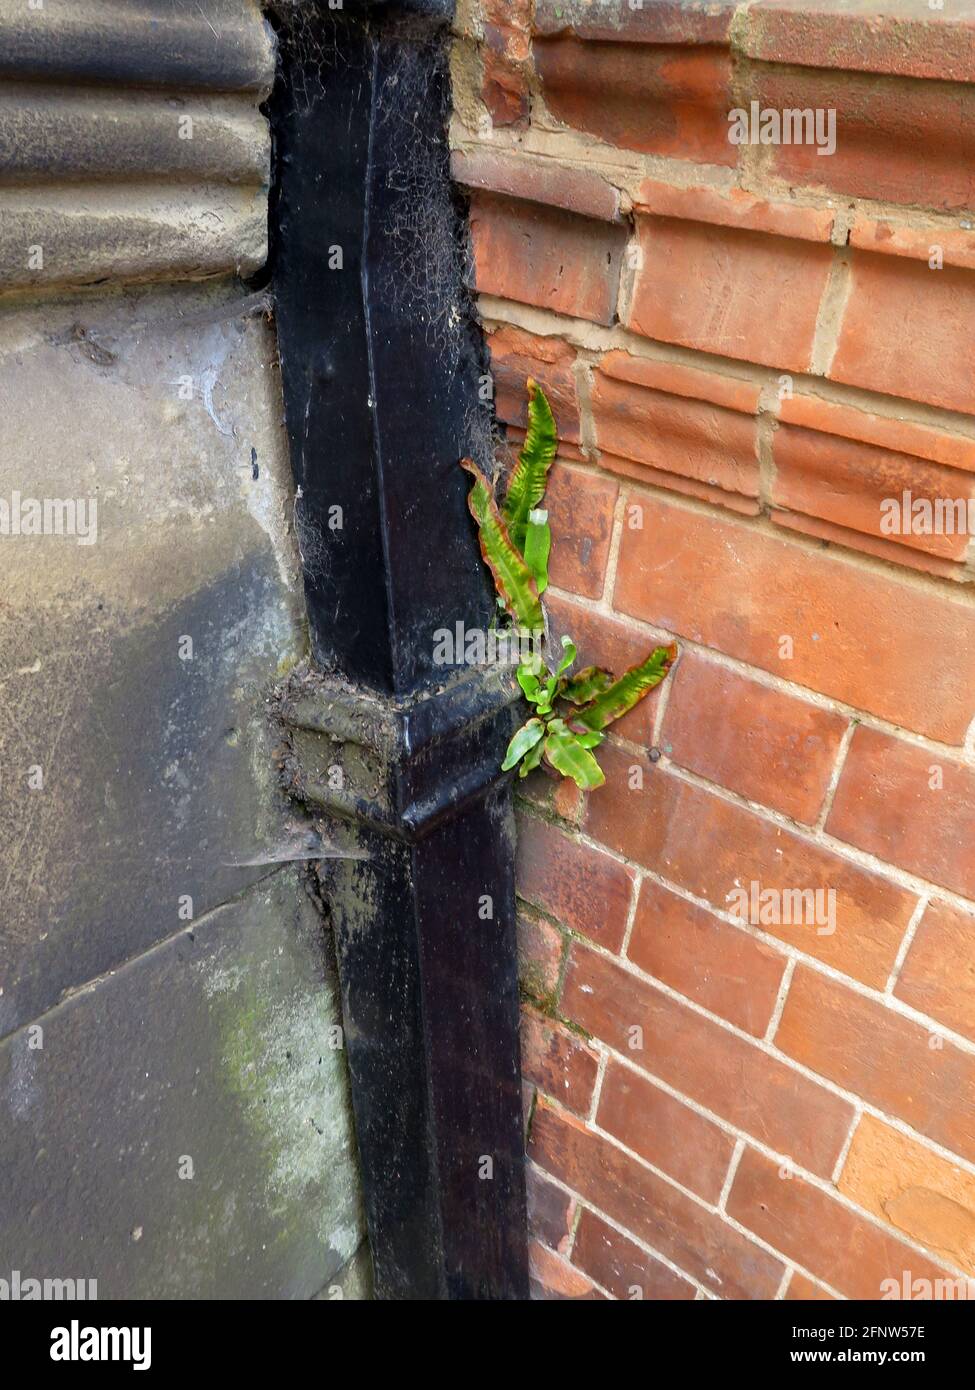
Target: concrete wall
174 1116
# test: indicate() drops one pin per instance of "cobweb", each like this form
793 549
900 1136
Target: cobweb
426 271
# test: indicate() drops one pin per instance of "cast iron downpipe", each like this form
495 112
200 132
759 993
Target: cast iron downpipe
382 362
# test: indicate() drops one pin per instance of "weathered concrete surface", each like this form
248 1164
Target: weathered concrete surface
54 133
151 598
220 45
157 769
132 144
212 1048
157 796
130 232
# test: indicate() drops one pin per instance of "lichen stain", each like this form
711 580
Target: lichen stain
291 1089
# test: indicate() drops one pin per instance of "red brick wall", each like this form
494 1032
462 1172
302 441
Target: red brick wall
747 349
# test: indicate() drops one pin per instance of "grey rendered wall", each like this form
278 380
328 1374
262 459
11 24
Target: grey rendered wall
174 1117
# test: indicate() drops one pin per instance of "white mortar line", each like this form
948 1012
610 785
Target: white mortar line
585 1204
847 1143
825 1187
834 781
597 1089
851 1097
780 998
631 914
905 945
660 714
612 560
822 1185
737 1152
586 335
951 752
771 680
895 1005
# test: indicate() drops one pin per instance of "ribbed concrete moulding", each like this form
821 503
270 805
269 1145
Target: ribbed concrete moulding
216 45
132 145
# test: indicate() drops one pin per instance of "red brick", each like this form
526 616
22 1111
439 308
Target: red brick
885 804
881 123
894 432
847 483
845 1250
667 417
870 545
558 1063
539 956
734 207
901 1181
509 20
554 1278
694 1238
655 99
613 644
803 1290
735 393
662 21
761 743
568 801
580 508
504 90
516 356
887 1059
546 257
718 966
587 891
907 331
538 181
674 482
957 246
664 1131
713 847
861 637
938 976
622 1268
550 1210
559 796
709 287
899 36
733 1078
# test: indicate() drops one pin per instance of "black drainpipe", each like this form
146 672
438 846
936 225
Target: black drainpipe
383 369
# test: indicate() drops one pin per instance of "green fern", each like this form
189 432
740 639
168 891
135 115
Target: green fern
512 577
620 697
570 713
529 480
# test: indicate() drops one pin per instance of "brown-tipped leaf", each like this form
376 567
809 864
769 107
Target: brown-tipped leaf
512 577
629 690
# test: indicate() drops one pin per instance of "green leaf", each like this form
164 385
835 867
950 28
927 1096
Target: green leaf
531 759
538 544
527 486
528 681
620 697
512 578
523 742
547 695
587 685
591 738
569 648
567 755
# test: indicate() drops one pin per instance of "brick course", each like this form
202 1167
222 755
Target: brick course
749 350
